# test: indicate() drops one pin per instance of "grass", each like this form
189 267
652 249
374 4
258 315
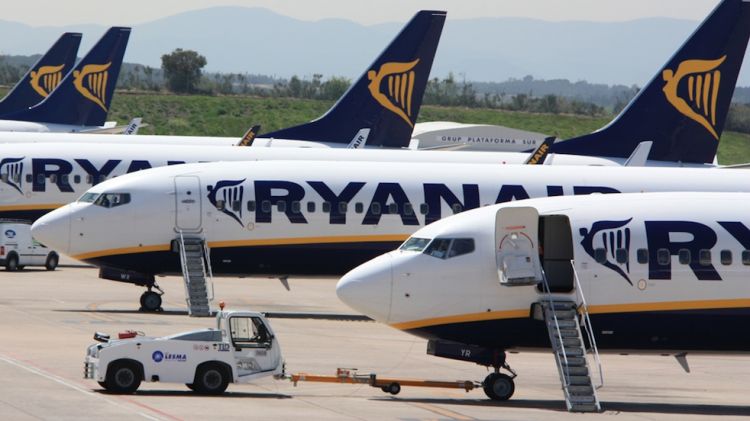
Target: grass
232 115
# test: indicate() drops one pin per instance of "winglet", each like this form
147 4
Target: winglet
360 139
684 107
249 137
387 96
639 156
133 126
44 76
83 97
540 153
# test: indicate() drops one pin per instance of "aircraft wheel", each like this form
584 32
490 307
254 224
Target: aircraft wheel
150 301
499 386
393 388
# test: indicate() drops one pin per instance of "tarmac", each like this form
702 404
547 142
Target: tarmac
47 319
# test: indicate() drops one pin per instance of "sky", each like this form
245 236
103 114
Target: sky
133 12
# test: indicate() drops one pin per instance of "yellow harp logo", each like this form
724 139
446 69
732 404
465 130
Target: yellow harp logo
91 82
703 81
400 85
46 79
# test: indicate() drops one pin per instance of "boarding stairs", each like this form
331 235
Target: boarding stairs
196 272
566 322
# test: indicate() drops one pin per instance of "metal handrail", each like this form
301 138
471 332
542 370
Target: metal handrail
209 271
587 325
185 272
548 291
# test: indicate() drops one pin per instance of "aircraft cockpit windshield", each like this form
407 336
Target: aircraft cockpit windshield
88 198
442 248
111 200
415 244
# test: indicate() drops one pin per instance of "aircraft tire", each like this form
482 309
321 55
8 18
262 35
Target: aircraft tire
498 386
150 301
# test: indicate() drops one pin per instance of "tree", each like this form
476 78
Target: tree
182 69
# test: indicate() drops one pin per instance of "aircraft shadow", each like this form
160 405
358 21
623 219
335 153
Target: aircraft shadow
163 312
558 405
269 314
184 393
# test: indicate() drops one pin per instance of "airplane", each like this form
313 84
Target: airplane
687 101
81 100
44 76
313 218
368 107
36 178
661 273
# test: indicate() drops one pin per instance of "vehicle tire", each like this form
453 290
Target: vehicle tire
11 264
190 386
150 301
122 377
499 386
211 379
393 388
103 385
52 260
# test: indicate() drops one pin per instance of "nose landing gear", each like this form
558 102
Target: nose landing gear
151 300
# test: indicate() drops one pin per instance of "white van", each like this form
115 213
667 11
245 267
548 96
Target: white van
18 249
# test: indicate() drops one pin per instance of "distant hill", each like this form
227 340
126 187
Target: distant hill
258 41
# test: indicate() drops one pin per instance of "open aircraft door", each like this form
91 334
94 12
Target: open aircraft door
517 246
187 203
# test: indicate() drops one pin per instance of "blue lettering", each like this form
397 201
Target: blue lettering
510 192
383 192
346 195
657 234
98 175
40 169
433 193
137 165
264 193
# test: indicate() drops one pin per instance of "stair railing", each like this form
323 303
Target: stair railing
587 326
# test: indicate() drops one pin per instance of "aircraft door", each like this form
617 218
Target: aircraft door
516 246
187 203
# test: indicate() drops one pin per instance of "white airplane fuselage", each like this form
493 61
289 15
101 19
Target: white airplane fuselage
659 271
38 177
313 218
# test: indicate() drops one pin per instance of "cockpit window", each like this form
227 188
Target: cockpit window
88 197
446 248
111 200
415 244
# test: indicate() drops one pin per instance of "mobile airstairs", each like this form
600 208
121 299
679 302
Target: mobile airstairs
572 339
195 259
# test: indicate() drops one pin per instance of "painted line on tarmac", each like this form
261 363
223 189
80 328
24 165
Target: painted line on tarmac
34 369
442 411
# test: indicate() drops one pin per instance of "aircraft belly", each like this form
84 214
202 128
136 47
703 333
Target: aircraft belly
295 259
683 330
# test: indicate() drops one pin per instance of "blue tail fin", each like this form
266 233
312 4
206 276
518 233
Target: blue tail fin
84 95
44 76
387 97
684 107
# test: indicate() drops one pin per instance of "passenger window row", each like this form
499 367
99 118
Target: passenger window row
53 178
664 257
326 207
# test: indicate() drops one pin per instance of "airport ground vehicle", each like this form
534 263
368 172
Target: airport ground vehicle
18 249
240 349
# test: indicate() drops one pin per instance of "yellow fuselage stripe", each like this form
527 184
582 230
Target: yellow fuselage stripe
44 206
250 243
593 309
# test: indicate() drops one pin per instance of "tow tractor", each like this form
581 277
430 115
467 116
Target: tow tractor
241 348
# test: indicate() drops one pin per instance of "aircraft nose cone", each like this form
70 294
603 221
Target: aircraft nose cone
367 288
53 229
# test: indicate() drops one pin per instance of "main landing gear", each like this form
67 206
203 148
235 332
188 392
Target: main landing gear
151 300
